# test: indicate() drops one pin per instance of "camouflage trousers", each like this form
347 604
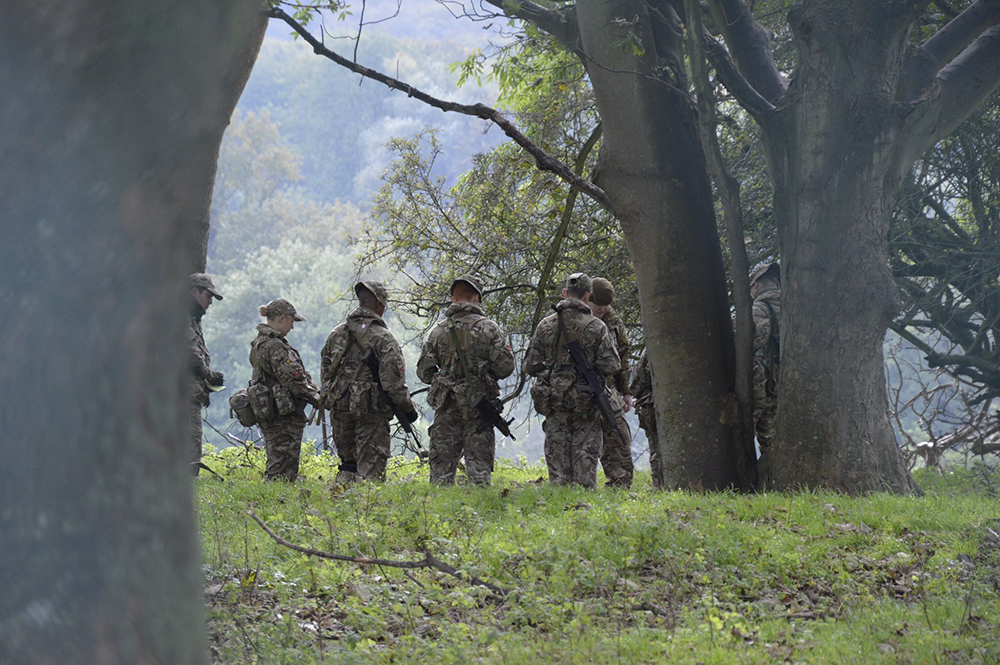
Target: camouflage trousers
572 447
765 404
454 434
195 437
647 421
283 441
362 445
616 456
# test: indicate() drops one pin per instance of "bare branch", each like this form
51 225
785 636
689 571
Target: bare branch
964 84
560 23
749 44
429 561
946 44
543 160
729 75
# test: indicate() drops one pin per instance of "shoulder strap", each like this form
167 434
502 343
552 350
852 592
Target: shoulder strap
460 350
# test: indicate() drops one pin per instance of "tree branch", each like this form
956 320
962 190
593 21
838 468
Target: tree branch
560 23
730 77
965 83
543 160
750 45
429 561
946 44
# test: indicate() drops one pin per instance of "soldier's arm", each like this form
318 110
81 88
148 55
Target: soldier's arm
501 355
427 364
197 357
606 357
623 346
333 351
762 325
290 373
392 372
534 357
641 380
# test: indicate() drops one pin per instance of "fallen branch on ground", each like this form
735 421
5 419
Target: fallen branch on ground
429 560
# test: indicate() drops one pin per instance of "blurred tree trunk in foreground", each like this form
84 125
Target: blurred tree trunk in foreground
108 108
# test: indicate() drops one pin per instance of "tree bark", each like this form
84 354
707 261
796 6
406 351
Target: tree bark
108 107
206 162
832 158
653 169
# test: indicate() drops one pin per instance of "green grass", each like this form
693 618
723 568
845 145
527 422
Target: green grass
596 576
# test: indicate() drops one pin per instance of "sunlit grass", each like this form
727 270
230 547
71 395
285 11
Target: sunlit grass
595 576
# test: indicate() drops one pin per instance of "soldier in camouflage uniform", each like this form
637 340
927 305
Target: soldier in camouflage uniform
616 455
203 294
463 359
573 426
642 390
765 289
277 365
360 410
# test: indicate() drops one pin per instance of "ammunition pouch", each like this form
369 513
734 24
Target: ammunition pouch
541 396
284 402
261 402
241 409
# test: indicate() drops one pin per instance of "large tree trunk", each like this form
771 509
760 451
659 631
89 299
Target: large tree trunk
836 173
206 162
106 105
653 169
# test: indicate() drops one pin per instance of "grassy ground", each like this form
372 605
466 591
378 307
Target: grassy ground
596 577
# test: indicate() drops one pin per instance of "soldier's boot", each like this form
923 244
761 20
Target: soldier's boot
347 473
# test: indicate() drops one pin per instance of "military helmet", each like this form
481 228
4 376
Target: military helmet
604 292
764 268
203 281
471 281
377 289
580 281
278 307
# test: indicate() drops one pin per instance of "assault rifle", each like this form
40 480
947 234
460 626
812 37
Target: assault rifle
372 361
492 411
596 384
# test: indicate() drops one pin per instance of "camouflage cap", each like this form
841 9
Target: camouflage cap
762 269
377 289
604 292
471 281
580 281
203 281
280 306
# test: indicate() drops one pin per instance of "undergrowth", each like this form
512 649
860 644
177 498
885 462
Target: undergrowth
604 576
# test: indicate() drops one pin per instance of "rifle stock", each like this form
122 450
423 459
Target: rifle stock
372 361
596 385
492 410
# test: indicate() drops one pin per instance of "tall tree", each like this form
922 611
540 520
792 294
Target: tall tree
109 107
861 105
651 173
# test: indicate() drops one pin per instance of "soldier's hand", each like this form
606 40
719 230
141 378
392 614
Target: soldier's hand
628 403
412 415
217 379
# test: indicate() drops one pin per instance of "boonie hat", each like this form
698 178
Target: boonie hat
203 281
280 306
580 281
471 281
762 269
604 292
376 288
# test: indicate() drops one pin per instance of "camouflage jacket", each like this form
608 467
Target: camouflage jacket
486 354
549 361
348 384
765 340
275 361
200 360
617 329
641 387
